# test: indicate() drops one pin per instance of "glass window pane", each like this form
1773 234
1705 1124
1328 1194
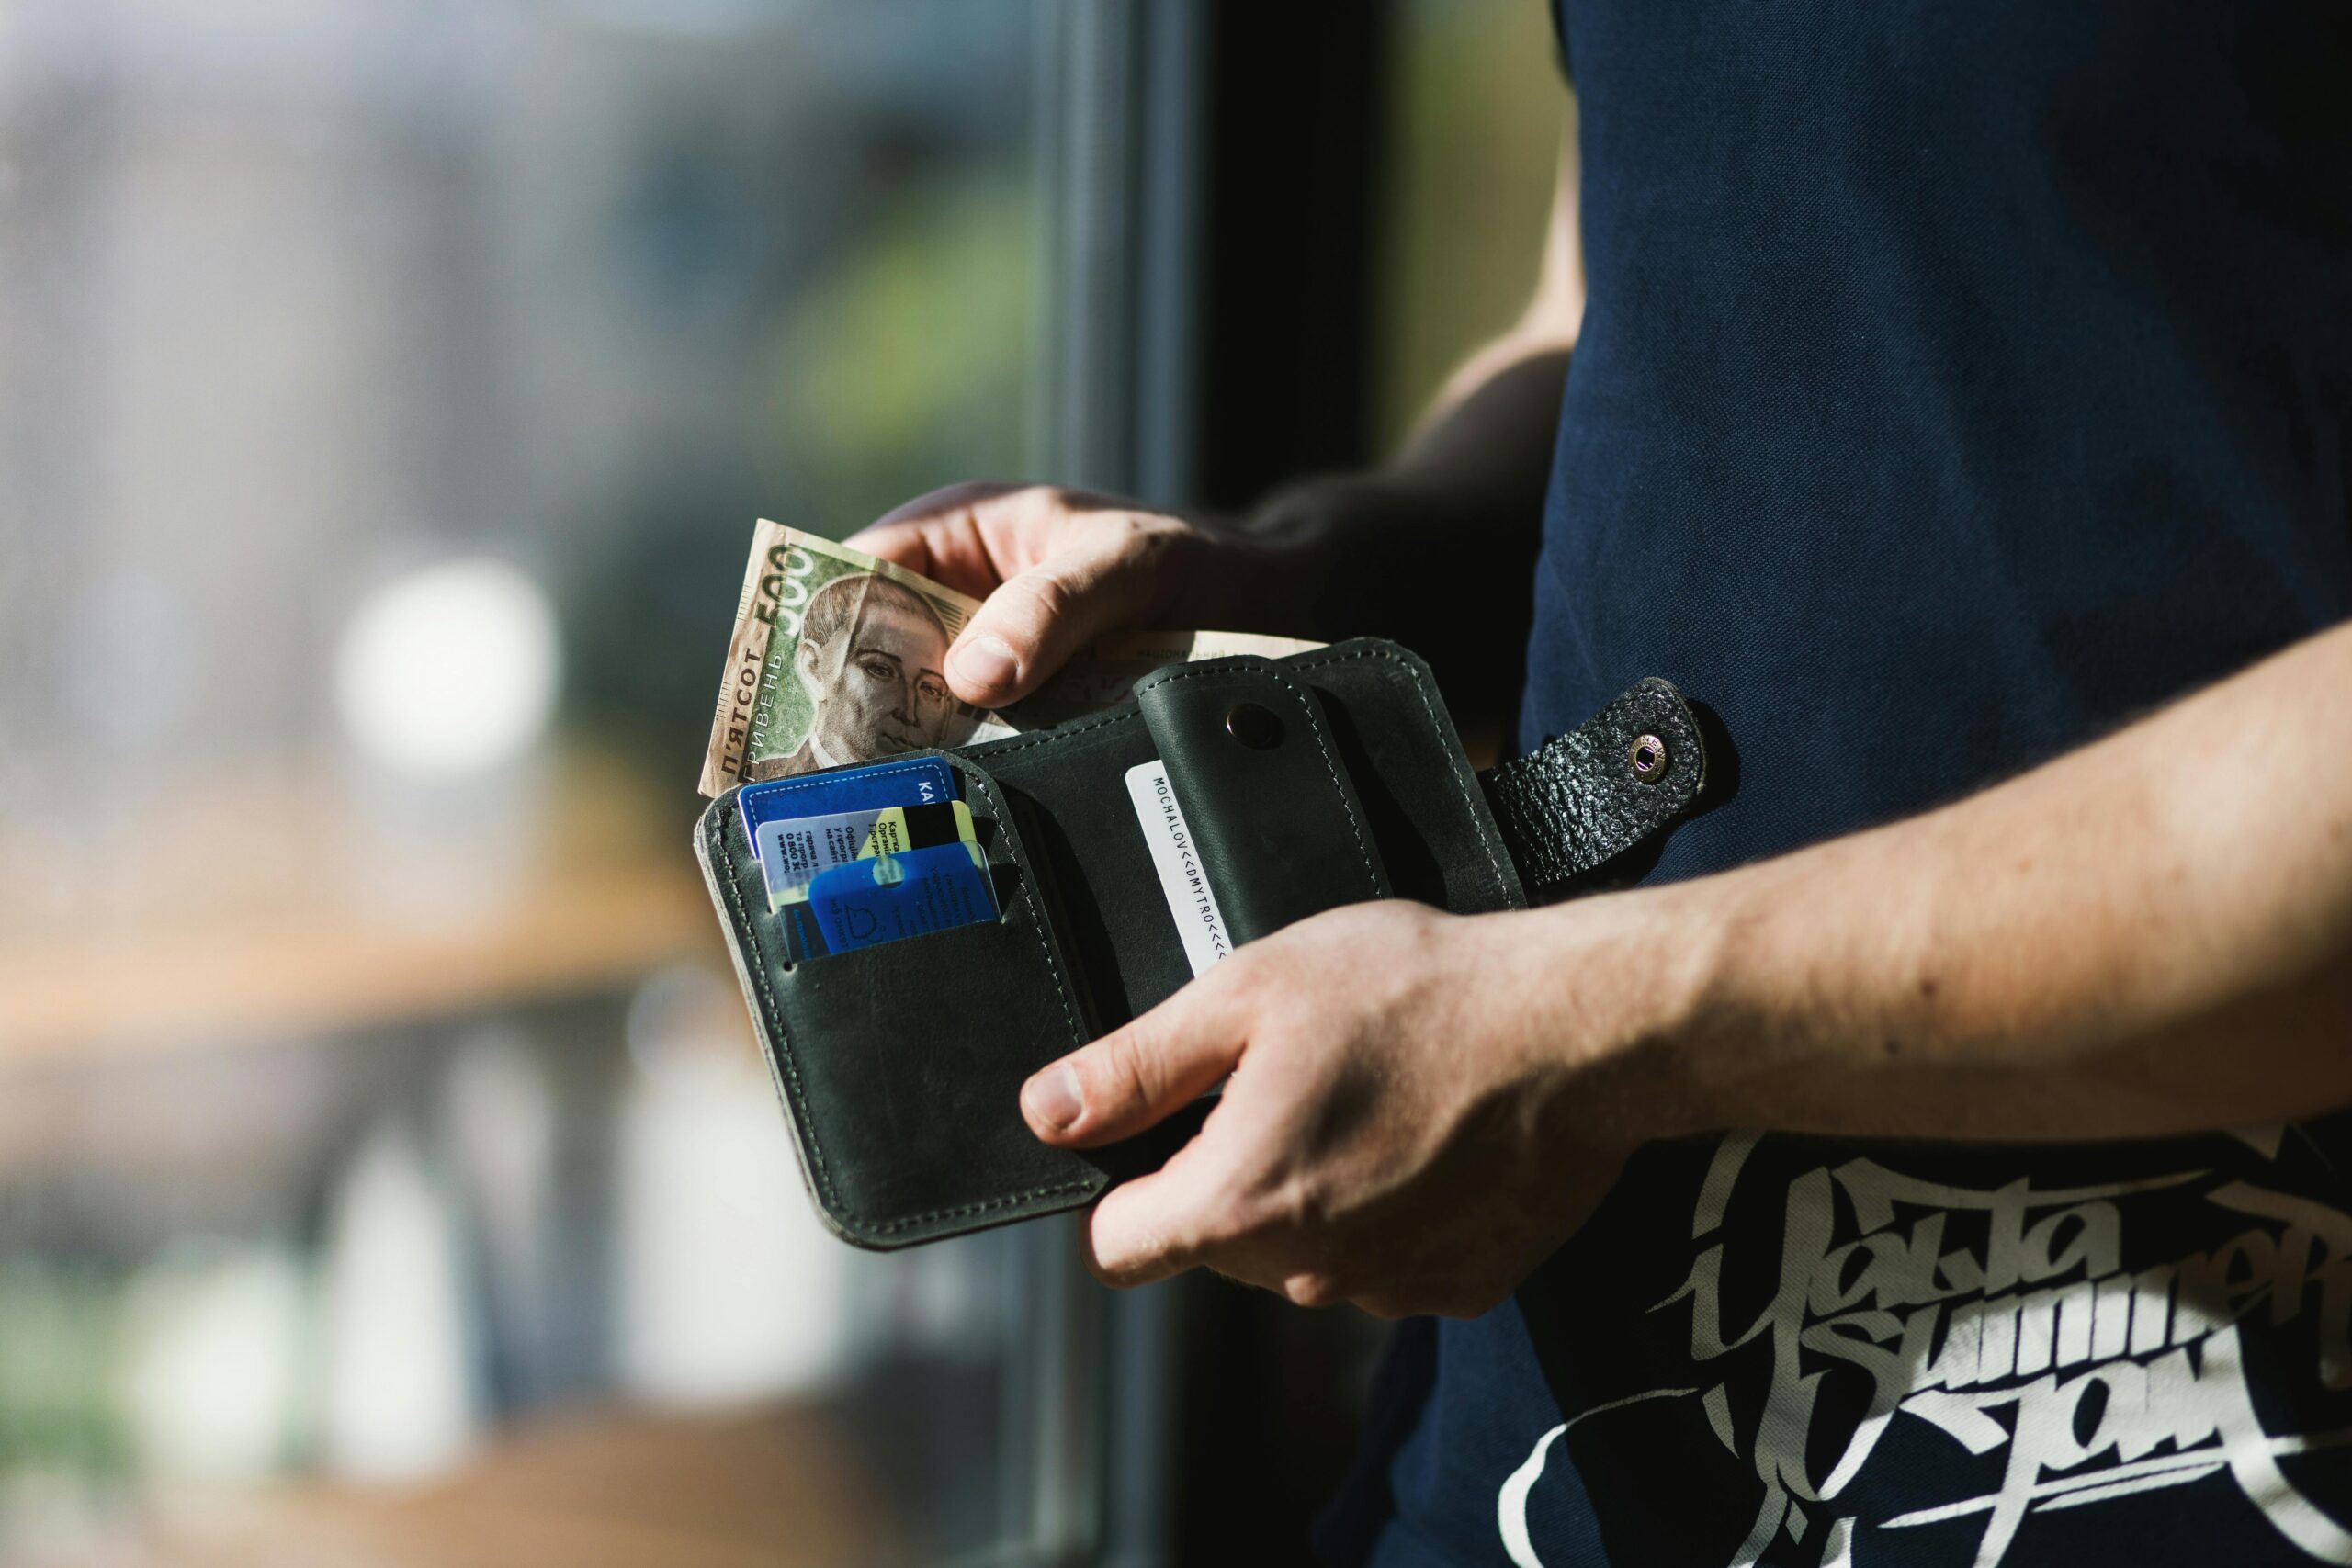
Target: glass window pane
387 391
1474 136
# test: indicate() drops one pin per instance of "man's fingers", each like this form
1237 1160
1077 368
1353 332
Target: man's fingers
950 501
1196 1212
1099 577
900 543
1145 1230
1135 1076
965 535
1056 569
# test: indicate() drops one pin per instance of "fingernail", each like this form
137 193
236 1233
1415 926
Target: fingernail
987 661
1051 1099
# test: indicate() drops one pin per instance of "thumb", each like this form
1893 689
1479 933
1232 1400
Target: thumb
1135 1076
1097 579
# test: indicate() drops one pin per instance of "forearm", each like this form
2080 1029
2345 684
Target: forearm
2148 936
1474 467
1415 546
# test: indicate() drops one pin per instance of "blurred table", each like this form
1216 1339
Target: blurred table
286 904
770 1488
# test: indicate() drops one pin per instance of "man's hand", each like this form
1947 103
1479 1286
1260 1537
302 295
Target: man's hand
1411 1122
1059 568
2150 936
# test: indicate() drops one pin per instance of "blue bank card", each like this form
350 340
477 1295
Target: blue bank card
890 897
903 781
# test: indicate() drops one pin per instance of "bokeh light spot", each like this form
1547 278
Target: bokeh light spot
450 670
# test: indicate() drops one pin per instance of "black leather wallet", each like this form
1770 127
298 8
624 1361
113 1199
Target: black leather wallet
1321 779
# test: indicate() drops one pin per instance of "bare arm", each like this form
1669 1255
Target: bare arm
1464 501
2151 935
1487 436
1059 568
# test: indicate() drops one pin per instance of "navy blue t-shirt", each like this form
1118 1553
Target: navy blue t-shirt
1959 381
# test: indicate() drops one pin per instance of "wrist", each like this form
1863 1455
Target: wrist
1312 551
1326 512
1625 999
1762 999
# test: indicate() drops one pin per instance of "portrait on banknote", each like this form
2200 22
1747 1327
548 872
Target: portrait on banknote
865 676
871 664
839 657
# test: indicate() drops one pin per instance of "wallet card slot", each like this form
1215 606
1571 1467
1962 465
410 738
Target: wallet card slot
909 1058
1065 785
1275 816
900 1064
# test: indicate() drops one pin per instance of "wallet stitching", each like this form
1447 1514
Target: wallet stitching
1479 821
784 1041
1061 995
792 1071
1060 1189
778 786
1013 1200
1008 748
1036 918
1331 771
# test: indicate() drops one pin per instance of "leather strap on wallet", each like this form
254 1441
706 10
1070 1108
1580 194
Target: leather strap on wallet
1570 808
1120 854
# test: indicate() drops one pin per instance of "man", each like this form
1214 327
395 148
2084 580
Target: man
870 657
1962 406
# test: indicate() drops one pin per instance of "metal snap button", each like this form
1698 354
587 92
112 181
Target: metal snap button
1647 757
1255 726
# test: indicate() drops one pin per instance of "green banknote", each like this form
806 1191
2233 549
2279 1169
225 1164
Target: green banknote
840 658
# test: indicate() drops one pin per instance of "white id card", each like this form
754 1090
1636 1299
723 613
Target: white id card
1189 900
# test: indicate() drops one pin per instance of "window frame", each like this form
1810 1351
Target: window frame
1206 331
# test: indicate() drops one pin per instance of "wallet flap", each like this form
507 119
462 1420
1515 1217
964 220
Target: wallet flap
1572 807
1273 812
1401 778
1325 778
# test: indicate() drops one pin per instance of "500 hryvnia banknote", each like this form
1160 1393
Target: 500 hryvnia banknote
840 658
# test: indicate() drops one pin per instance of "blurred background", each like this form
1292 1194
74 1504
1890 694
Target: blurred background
387 391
